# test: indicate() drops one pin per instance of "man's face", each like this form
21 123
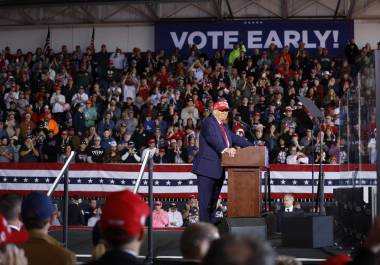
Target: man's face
288 201
221 115
93 204
293 151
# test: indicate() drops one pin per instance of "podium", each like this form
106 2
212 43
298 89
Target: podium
244 193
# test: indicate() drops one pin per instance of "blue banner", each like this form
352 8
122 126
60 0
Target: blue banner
211 36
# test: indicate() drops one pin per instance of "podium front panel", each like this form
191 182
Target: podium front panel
243 192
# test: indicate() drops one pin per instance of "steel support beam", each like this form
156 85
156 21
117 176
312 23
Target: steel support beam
229 9
337 9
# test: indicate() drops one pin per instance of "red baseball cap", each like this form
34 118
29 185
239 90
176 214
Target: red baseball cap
221 105
9 237
124 210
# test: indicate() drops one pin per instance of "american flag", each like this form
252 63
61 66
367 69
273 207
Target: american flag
92 45
47 43
171 180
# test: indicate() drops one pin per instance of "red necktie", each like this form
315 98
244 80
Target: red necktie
224 133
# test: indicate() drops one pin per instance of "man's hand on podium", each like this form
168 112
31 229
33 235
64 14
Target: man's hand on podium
230 151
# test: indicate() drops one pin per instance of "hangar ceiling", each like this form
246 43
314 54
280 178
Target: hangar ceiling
59 12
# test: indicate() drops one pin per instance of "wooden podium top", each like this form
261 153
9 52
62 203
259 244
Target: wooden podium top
252 156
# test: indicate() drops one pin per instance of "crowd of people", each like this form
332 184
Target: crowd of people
111 107
119 234
170 214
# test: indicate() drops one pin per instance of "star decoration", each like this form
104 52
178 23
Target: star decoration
14 179
294 182
179 182
123 182
112 181
168 183
145 182
89 180
25 180
5 179
101 181
79 181
283 182
306 182
133 182
47 180
191 182
156 182
36 180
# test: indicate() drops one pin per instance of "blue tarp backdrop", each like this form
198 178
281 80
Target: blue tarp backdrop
211 36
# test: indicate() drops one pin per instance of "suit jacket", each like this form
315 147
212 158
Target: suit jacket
116 257
211 144
282 216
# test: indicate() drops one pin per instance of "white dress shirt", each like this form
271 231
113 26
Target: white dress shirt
289 209
175 217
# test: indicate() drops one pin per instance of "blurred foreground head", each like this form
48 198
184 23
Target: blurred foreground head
196 240
233 250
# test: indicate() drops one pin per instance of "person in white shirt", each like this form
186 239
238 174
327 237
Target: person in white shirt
372 149
151 147
129 89
295 157
80 97
117 59
114 91
198 71
12 95
190 111
57 101
175 217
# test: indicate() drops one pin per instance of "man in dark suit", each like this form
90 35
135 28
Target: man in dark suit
214 140
122 225
287 211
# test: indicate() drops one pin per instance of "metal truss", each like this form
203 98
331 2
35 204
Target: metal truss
129 12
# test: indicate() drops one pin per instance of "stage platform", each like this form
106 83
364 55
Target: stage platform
166 246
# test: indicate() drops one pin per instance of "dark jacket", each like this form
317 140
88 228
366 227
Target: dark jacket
211 144
75 215
79 122
116 257
282 216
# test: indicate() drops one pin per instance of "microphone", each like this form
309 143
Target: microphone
247 127
242 123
